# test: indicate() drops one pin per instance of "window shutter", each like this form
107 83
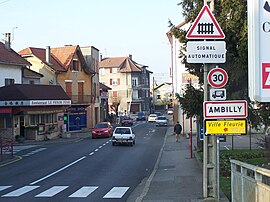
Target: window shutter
118 81
111 70
110 81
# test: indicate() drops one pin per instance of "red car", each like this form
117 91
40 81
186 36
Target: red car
127 121
102 129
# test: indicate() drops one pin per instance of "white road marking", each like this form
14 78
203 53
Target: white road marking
4 187
116 192
100 147
260 147
52 191
104 144
83 192
96 150
91 153
20 191
61 169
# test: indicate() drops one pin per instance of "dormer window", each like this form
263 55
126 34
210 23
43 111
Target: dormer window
75 65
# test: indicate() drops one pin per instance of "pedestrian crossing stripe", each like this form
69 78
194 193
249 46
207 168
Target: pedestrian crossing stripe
20 191
83 192
116 192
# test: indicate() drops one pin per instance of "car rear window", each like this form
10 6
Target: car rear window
101 125
161 118
122 130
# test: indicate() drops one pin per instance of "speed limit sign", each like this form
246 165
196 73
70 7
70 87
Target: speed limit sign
217 77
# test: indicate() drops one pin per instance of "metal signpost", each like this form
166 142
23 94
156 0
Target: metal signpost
205 27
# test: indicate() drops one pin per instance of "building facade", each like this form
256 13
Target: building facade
130 84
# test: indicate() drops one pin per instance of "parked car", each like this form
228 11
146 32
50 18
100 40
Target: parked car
140 116
126 121
170 111
152 118
161 121
158 113
102 129
267 131
123 135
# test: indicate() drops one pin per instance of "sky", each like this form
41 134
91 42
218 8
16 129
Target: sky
117 28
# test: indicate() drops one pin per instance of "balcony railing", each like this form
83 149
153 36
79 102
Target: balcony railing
83 99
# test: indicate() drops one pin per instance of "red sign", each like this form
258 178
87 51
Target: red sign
217 77
205 26
266 75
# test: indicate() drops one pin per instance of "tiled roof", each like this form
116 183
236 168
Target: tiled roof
11 57
41 54
64 54
125 64
104 87
30 73
32 92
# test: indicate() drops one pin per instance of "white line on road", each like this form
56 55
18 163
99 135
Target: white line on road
83 192
52 191
116 192
20 191
61 169
4 187
104 144
96 150
91 153
100 147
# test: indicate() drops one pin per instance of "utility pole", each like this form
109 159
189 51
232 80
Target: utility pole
210 187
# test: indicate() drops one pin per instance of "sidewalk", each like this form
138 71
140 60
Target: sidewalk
176 176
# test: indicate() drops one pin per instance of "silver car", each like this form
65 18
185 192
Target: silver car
161 121
123 135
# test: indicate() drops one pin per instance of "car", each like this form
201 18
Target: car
102 129
267 131
152 118
158 113
126 121
161 121
170 111
123 135
140 116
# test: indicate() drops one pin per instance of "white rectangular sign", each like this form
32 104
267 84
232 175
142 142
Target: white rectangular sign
217 94
206 52
225 109
258 50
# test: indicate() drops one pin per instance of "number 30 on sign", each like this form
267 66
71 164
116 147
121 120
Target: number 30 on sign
217 77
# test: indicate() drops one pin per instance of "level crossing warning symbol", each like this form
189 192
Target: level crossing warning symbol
205 26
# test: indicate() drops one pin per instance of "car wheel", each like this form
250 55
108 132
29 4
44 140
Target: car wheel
93 137
131 144
133 141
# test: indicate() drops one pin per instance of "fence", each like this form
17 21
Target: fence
249 183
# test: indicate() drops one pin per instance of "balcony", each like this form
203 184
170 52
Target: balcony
82 99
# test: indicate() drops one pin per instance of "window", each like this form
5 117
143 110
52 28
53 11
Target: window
102 72
31 82
134 81
115 82
9 81
69 88
75 65
114 94
114 70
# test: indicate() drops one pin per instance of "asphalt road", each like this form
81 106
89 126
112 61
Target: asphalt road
88 170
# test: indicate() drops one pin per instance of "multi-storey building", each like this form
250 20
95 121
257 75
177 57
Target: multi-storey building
129 83
67 67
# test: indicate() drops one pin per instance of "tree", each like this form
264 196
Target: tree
232 17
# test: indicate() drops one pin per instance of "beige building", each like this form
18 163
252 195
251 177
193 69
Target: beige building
130 84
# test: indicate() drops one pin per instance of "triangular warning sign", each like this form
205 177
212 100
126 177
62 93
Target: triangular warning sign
205 26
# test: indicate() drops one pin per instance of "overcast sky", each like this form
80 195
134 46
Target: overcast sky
116 27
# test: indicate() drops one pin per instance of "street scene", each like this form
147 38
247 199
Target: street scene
135 101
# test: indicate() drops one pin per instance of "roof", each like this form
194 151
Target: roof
164 83
41 54
104 87
30 73
125 64
32 92
169 33
9 56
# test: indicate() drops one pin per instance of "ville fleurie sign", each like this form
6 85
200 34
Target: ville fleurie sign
226 127
225 109
206 52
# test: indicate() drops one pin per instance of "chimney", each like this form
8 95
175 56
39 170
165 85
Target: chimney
48 54
7 41
100 56
130 56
